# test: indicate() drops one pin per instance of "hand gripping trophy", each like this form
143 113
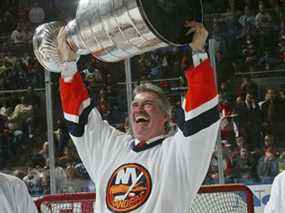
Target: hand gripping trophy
112 30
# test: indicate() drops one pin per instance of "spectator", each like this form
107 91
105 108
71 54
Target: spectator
104 108
213 172
20 123
247 17
229 129
242 167
4 110
253 121
282 96
32 98
266 61
262 19
18 35
239 143
45 182
277 15
44 151
267 167
36 160
28 33
60 177
115 116
155 70
249 50
22 112
281 46
33 182
62 136
226 93
8 22
67 157
247 86
111 95
268 140
241 111
36 14
4 141
273 114
263 23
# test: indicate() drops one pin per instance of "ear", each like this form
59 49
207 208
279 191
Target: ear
167 117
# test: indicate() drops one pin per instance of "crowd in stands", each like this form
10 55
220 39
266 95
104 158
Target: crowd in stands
250 39
253 139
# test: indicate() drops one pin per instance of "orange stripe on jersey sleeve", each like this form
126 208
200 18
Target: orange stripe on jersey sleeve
201 85
73 94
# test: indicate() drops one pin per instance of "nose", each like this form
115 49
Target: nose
140 108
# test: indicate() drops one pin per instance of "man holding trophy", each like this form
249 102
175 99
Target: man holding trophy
151 170
154 170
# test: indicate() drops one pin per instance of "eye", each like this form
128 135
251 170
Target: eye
148 103
134 105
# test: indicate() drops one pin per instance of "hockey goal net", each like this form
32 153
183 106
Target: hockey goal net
229 198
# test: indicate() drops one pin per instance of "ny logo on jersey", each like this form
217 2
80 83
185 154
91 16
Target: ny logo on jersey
128 188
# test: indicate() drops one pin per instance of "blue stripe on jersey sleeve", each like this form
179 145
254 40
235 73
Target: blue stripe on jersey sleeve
77 129
198 123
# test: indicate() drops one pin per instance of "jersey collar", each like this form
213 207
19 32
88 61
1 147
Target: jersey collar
135 146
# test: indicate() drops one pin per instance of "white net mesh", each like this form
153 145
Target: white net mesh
221 202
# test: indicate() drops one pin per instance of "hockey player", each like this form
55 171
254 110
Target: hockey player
276 203
149 171
14 195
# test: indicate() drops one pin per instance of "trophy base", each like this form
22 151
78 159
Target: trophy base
166 18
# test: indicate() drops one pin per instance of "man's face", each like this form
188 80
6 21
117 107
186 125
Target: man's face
268 140
249 98
243 152
148 120
239 141
270 94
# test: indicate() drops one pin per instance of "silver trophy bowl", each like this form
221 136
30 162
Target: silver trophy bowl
113 30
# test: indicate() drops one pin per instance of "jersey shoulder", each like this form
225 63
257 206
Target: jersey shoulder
9 180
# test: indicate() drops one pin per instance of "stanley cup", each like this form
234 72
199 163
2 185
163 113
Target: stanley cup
112 30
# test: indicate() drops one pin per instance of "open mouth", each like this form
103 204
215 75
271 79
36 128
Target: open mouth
141 119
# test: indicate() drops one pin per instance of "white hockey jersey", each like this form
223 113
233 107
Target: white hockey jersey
14 196
276 203
165 174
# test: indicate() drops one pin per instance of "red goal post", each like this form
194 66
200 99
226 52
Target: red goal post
227 198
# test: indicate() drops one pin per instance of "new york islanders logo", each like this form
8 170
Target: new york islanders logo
128 188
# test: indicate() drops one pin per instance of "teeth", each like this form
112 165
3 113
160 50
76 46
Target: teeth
141 118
